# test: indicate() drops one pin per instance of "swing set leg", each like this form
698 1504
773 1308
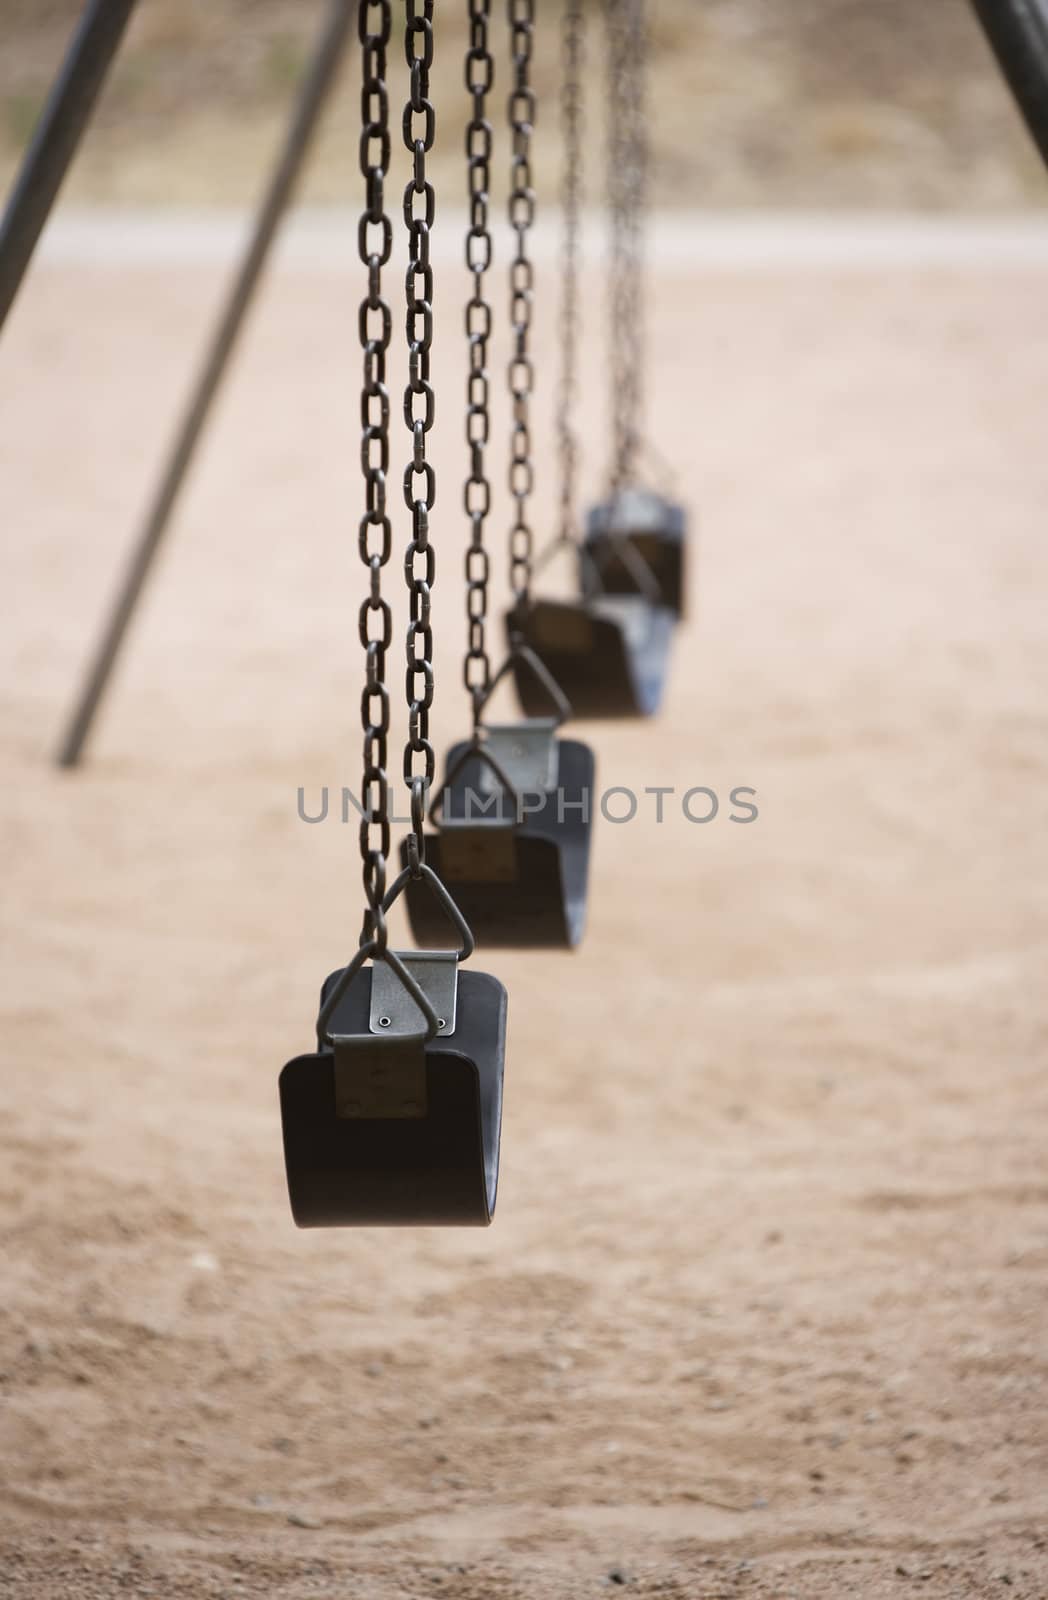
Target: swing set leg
312 96
57 136
1018 32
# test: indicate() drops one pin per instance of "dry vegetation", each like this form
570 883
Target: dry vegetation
812 103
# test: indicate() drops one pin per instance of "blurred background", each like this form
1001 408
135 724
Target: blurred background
810 103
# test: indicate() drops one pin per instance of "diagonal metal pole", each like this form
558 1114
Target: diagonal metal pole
1018 32
315 88
55 140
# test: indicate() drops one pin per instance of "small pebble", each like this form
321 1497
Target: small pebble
298 1520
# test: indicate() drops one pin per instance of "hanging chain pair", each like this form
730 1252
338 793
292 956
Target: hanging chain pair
479 73
521 216
627 43
375 245
572 48
420 483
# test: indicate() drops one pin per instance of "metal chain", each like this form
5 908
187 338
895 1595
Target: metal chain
572 43
420 483
375 242
627 188
637 81
521 216
477 493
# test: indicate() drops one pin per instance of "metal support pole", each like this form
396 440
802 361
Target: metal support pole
55 140
1018 32
311 98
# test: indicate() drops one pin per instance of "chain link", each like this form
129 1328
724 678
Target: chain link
477 493
627 38
420 483
521 216
375 242
572 45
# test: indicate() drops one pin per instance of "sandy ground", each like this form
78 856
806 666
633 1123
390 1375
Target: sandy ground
762 1311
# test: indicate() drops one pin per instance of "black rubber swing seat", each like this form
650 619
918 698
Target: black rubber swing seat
635 543
609 654
391 1122
515 859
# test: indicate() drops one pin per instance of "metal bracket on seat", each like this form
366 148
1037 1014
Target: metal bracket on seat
389 1080
479 847
394 1014
565 629
526 752
384 1082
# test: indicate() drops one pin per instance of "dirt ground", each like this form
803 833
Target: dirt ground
762 1311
